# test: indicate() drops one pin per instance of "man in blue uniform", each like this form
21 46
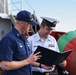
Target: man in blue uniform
44 39
14 52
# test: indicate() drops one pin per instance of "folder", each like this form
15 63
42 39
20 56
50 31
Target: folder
51 57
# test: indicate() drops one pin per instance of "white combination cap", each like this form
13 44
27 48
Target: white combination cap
50 22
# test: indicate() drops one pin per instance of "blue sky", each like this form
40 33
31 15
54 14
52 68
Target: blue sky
62 10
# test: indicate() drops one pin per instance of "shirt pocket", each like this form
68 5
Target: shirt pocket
21 53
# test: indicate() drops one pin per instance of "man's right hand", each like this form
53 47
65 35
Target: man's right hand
33 57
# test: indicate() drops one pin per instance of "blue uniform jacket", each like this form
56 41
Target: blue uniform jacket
14 47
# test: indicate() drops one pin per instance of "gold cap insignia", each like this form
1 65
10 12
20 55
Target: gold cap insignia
54 22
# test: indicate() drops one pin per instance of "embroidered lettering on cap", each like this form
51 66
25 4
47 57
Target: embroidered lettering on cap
31 17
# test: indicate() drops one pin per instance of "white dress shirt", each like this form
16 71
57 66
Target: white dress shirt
50 43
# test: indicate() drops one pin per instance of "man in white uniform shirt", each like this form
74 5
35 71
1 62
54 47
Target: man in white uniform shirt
42 38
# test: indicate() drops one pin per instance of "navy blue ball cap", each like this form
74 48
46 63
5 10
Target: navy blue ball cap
26 16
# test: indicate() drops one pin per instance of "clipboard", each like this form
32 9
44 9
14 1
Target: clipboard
51 57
